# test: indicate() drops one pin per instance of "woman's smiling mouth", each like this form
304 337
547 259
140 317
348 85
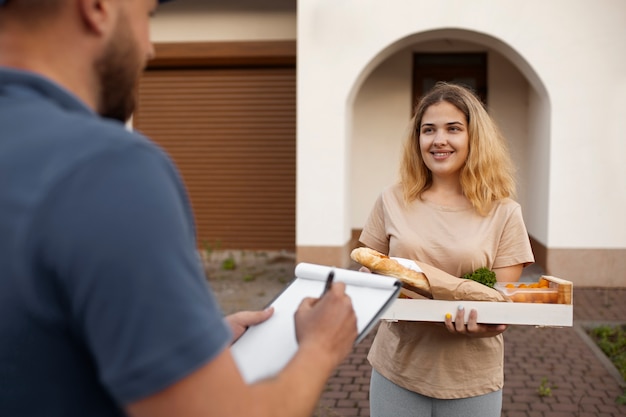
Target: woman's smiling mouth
441 155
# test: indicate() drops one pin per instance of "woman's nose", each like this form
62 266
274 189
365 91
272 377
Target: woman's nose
440 138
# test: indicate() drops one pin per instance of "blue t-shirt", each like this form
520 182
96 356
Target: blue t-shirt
103 300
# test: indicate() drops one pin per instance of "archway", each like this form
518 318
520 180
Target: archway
379 106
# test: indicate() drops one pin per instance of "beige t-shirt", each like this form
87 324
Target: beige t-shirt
425 357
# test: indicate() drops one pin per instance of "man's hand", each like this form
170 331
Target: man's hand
472 328
328 322
241 320
326 329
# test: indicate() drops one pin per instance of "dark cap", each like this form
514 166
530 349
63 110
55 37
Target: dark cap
4 1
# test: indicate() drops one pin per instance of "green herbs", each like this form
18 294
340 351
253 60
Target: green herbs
482 275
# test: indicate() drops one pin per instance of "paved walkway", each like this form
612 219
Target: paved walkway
581 380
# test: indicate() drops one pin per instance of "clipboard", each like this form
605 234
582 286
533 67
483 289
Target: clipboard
265 349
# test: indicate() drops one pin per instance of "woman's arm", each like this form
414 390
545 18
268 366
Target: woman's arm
509 273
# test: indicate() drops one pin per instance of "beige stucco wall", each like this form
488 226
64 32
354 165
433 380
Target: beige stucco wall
211 20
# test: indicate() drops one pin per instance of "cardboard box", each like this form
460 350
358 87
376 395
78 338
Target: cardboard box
560 314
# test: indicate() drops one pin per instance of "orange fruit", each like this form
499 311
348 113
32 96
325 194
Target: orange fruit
519 298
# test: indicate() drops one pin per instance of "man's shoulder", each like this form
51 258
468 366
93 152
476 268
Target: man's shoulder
40 112
78 136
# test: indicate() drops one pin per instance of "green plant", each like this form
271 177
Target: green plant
210 248
545 388
207 248
612 341
229 264
482 275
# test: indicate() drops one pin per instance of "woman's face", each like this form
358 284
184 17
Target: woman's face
444 139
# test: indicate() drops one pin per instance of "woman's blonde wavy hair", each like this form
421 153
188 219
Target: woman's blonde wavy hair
488 174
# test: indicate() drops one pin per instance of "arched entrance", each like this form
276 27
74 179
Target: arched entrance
380 105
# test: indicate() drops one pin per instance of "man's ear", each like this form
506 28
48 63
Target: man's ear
98 16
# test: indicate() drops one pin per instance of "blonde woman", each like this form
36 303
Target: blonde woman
452 209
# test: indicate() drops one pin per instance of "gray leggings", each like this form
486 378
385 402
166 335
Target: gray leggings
389 400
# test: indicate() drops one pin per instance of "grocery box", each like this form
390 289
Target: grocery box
544 304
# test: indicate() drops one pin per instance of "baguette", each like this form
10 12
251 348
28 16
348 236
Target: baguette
379 263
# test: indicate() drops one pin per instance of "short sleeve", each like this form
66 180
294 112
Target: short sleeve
118 234
374 234
514 246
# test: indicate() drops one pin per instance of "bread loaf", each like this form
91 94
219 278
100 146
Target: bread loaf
379 263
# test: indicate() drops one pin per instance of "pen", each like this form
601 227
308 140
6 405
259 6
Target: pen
329 281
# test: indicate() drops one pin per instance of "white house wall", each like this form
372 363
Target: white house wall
381 113
536 167
571 53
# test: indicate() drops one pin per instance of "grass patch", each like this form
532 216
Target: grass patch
545 388
612 341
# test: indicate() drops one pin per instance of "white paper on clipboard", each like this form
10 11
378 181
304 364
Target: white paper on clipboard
264 350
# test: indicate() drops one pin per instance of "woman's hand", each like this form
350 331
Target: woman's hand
240 321
472 328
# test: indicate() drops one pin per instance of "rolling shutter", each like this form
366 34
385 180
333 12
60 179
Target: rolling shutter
231 132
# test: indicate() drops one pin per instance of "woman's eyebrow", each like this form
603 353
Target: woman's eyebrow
447 123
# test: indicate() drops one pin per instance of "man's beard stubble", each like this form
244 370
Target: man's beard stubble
118 71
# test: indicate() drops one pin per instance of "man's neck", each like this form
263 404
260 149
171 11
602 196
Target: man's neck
59 58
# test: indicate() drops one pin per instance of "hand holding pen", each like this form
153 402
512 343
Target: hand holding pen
328 320
329 282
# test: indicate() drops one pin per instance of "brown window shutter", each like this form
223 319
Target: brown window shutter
231 132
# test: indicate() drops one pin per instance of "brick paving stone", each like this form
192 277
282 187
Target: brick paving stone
326 403
588 408
515 406
363 382
335 395
346 412
592 400
517 414
540 407
347 404
341 379
570 408
560 414
359 395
